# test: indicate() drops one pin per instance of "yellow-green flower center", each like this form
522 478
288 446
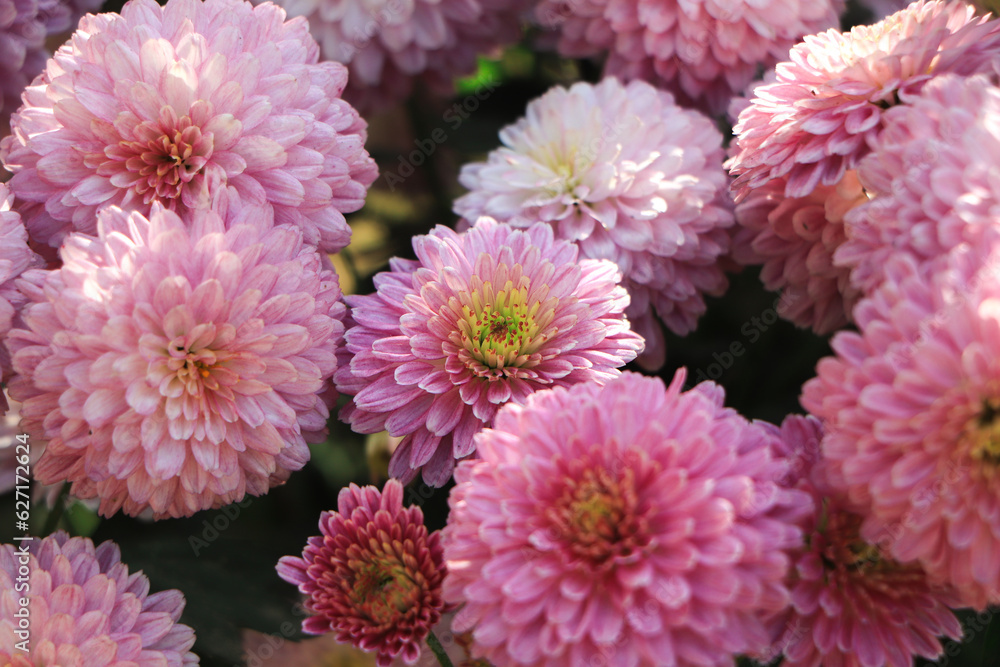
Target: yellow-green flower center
382 589
597 515
501 327
983 434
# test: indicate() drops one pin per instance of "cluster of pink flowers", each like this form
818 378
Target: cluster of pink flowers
864 186
86 609
174 334
806 130
193 163
627 175
704 51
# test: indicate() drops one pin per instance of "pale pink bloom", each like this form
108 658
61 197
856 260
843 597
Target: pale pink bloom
823 109
627 175
174 364
15 257
479 319
86 609
931 177
373 577
630 523
391 46
703 51
910 406
173 104
795 240
851 604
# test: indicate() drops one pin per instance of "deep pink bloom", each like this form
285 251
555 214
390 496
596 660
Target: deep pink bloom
627 175
173 104
795 240
851 604
910 405
15 257
390 46
931 179
374 575
824 107
478 320
87 610
627 521
704 51
177 364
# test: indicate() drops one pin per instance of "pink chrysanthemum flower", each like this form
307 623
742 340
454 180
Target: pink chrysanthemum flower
910 406
177 364
823 109
175 103
795 240
15 257
704 51
24 25
851 605
627 521
86 609
628 176
931 177
374 575
391 45
478 320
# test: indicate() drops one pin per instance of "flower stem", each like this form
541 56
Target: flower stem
439 651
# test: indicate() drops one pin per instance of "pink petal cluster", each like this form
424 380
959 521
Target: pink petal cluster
931 179
819 114
479 319
24 25
374 575
86 610
390 46
628 523
910 406
851 605
627 175
15 257
795 239
704 51
173 104
177 364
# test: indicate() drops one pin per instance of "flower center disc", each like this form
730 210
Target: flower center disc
500 329
983 434
383 591
598 515
163 156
